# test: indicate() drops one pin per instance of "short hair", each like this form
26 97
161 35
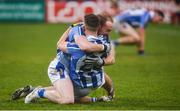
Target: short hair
160 13
92 22
114 4
104 17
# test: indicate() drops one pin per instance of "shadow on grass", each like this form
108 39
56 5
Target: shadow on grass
118 103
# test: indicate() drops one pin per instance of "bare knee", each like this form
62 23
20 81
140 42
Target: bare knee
136 39
66 101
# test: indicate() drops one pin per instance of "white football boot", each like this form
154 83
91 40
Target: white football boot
33 95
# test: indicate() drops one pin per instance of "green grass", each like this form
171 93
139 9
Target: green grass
151 81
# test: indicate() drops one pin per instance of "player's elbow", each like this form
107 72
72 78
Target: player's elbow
59 46
110 61
62 46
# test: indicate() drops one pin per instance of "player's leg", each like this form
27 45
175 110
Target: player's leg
62 85
85 99
65 89
24 91
81 96
51 94
62 90
130 35
141 44
108 86
21 92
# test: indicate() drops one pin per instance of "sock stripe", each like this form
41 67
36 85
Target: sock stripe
41 93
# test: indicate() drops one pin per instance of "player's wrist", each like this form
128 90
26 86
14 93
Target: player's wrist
104 47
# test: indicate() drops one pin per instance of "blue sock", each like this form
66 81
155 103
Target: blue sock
141 52
41 93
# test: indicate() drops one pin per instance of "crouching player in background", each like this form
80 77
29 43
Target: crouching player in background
131 23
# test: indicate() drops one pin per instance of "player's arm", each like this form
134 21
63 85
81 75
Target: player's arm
67 46
110 59
83 43
87 46
99 62
61 44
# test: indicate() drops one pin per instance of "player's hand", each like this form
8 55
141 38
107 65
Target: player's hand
104 99
96 61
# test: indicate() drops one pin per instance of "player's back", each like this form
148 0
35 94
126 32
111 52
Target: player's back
76 31
85 75
62 58
135 17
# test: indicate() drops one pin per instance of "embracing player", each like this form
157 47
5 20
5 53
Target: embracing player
56 70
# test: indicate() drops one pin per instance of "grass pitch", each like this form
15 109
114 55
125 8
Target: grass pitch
151 81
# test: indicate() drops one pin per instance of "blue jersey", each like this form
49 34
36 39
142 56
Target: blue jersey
63 61
76 31
85 75
135 17
64 58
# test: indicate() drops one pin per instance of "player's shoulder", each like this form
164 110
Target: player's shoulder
79 24
92 38
104 38
78 28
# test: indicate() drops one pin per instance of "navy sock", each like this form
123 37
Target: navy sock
141 52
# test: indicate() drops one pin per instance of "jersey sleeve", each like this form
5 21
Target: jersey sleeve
72 48
75 32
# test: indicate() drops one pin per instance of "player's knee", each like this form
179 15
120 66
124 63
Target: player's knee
136 39
66 100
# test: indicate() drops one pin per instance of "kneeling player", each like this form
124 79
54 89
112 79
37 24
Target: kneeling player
54 73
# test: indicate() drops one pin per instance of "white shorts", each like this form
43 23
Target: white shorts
125 28
55 75
121 26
